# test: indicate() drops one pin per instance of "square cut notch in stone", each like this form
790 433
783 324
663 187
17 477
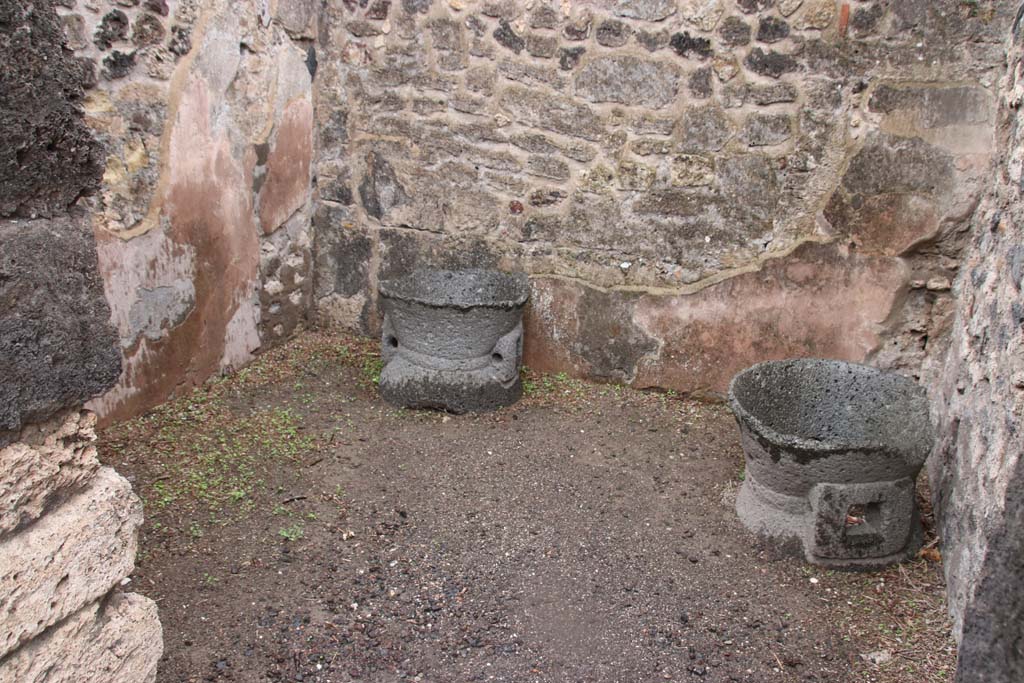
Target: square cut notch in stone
884 529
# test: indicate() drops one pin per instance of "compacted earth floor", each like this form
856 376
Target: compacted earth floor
300 529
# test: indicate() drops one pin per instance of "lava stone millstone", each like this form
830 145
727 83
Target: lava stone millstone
823 438
453 340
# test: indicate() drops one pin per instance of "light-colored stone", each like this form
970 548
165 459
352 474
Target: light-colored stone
691 170
628 80
787 7
68 558
704 14
648 10
50 461
115 640
817 14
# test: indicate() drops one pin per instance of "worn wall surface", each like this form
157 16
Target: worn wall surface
693 186
978 471
202 217
68 527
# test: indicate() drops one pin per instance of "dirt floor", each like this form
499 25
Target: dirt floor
299 529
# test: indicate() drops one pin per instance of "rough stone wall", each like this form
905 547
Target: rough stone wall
68 527
203 214
693 186
977 471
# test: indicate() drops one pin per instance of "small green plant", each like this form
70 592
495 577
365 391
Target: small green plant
291 533
195 531
372 367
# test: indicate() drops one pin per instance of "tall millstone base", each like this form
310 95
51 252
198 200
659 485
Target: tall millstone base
832 451
453 340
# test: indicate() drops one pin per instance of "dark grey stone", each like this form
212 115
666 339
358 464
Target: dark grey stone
380 189
684 45
734 32
832 453
700 83
771 63
578 28
569 57
889 163
544 17
57 346
653 40
416 6
752 6
612 33
181 40
158 6
772 29
508 38
992 641
113 28
118 64
453 340
378 11
865 19
48 156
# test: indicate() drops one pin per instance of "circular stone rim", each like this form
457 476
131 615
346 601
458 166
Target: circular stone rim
409 288
793 441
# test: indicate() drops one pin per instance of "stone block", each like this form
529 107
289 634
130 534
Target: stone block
57 347
754 6
734 32
771 63
699 83
556 113
116 639
816 14
772 29
48 462
70 557
612 33
893 164
934 106
628 80
763 130
48 156
704 129
647 10
547 167
692 171
704 14
687 46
